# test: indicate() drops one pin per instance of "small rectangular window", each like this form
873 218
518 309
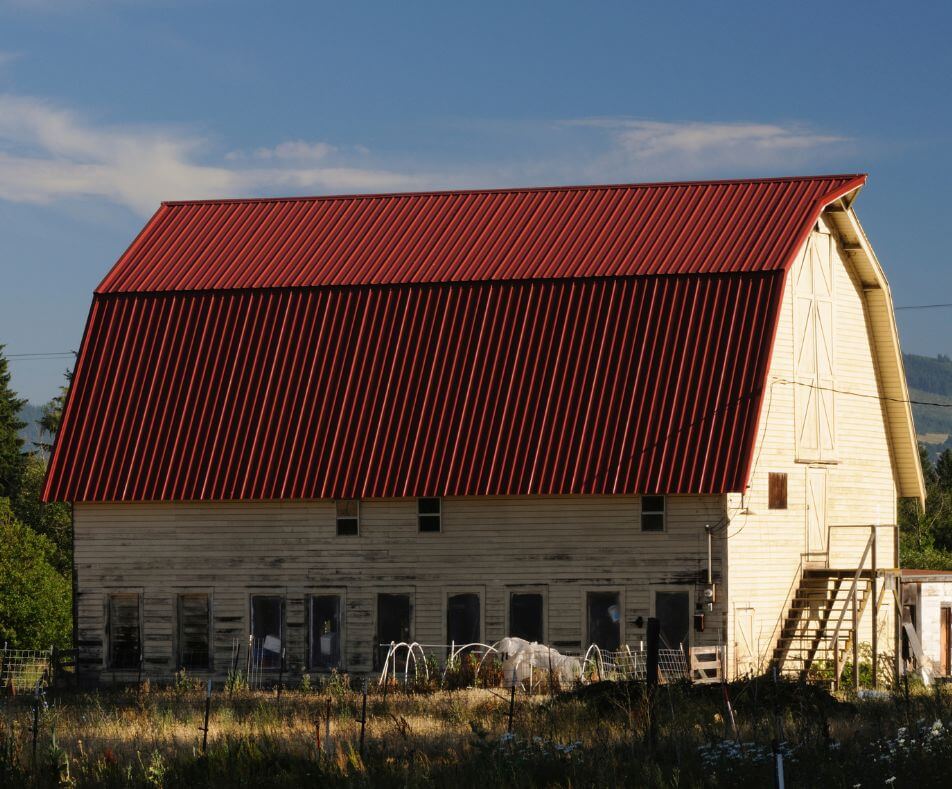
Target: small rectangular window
267 629
652 513
777 491
526 616
604 619
462 619
125 631
325 631
429 514
348 517
193 631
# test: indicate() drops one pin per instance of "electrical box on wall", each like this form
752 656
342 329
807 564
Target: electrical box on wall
710 596
699 623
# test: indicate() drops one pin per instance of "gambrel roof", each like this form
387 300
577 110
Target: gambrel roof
580 340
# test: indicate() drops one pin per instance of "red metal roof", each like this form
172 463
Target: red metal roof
682 228
530 387
471 343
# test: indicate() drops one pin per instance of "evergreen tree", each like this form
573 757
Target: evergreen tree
11 456
53 415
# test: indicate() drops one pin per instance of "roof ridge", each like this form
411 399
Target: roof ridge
514 190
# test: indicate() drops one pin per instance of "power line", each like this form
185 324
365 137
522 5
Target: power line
923 306
49 355
863 394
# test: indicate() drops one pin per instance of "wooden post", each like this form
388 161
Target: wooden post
208 709
855 643
281 674
654 642
36 720
363 719
512 701
875 636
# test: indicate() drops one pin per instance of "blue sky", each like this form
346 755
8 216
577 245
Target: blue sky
108 107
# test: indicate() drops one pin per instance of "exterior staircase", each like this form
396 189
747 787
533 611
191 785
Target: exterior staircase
819 625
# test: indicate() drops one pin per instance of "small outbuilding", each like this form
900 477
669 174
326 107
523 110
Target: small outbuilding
927 607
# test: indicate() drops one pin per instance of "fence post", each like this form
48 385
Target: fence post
363 720
512 700
208 709
654 641
36 719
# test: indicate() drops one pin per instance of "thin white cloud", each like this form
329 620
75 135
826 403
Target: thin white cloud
297 150
48 153
672 149
7 57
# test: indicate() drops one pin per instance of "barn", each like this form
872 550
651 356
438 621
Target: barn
325 424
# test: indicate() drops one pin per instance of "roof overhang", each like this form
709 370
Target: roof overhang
891 374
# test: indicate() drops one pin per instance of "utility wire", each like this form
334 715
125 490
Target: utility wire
51 355
923 306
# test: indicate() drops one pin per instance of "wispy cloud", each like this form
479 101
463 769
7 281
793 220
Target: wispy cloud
7 57
673 149
48 153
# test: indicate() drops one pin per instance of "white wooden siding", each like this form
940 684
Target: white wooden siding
767 547
566 545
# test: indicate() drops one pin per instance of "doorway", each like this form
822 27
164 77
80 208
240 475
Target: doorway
817 532
393 624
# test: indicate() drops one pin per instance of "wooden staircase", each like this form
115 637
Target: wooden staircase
820 622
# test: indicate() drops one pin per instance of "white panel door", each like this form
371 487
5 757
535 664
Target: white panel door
817 531
815 428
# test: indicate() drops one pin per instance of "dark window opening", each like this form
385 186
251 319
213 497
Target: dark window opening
673 610
267 629
393 624
777 491
462 619
125 631
604 620
348 517
325 631
526 616
652 513
429 512
193 631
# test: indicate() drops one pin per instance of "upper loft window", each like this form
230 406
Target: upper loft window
776 491
348 517
652 513
430 513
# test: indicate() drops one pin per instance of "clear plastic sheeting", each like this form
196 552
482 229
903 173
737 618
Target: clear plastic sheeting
520 658
527 663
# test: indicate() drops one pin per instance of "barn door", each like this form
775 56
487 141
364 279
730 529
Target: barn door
816 515
813 351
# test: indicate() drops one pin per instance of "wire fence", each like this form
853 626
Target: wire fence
513 661
22 669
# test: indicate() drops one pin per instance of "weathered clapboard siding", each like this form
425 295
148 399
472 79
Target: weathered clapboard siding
562 545
767 547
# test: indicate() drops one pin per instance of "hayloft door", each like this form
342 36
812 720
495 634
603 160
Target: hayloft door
817 547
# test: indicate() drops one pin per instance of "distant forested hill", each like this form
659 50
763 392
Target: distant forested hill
930 378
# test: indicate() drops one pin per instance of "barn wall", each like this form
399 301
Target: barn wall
767 547
565 545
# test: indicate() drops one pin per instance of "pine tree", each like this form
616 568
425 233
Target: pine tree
11 445
53 415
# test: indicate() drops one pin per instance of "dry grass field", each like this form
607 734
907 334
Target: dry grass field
608 734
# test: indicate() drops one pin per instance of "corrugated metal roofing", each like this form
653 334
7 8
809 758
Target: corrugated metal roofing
529 387
626 230
478 343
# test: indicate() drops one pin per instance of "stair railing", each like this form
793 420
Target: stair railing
851 603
